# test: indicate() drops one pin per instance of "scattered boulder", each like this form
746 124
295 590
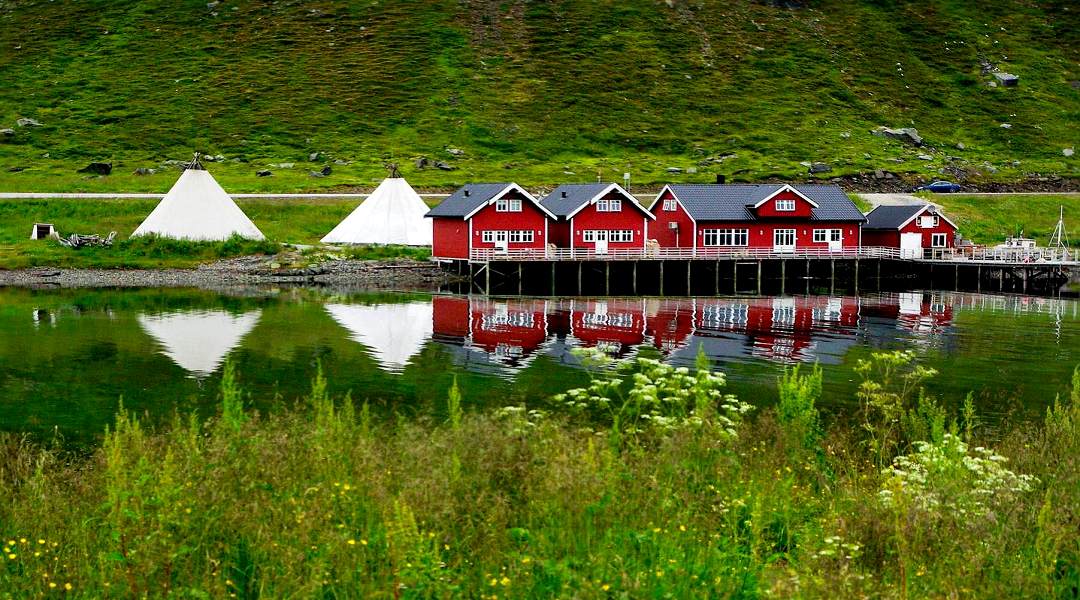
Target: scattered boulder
144 171
845 135
1007 79
925 157
819 167
263 173
212 5
673 170
455 151
28 123
691 170
1006 125
97 168
422 163
806 164
16 169
1067 152
314 156
879 174
444 166
908 135
1015 163
960 146
338 161
315 174
326 170
284 165
1075 85
7 132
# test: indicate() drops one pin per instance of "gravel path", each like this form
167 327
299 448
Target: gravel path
249 270
892 199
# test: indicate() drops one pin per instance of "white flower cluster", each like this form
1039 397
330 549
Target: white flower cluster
646 393
950 476
836 547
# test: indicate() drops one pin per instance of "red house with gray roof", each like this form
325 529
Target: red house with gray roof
779 217
596 217
488 216
912 228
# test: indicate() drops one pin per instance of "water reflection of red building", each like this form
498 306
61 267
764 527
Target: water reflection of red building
779 328
919 313
670 322
613 325
509 329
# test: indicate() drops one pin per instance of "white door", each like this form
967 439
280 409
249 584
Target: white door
910 245
601 246
501 241
836 240
784 240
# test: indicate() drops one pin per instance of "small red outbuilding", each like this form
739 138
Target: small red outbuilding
912 228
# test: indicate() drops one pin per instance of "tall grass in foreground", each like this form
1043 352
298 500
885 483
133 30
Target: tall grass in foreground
650 482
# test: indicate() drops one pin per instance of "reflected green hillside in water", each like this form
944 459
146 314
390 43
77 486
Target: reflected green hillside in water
67 357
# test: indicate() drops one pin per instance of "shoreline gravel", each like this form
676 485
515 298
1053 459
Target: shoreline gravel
248 270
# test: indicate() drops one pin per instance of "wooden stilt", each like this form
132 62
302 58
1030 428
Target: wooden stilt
716 274
856 276
521 278
783 276
634 277
579 267
661 278
487 279
689 267
607 278
759 277
832 276
735 277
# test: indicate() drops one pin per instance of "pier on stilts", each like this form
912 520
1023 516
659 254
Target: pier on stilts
723 271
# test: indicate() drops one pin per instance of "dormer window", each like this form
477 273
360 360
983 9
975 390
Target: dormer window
928 221
612 205
670 205
785 205
508 205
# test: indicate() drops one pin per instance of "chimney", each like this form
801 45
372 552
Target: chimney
720 179
564 193
466 192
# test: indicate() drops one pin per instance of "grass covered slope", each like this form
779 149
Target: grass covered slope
991 219
530 90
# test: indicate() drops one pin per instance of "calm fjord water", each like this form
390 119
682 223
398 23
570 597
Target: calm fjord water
67 357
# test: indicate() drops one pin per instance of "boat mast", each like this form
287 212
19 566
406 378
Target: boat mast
1060 239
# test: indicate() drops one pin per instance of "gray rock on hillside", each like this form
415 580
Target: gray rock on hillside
673 170
1007 79
455 151
314 156
144 171
819 167
24 122
908 135
97 168
1068 152
7 132
263 173
422 163
444 166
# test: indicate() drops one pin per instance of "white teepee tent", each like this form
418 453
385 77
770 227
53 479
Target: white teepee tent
196 208
392 214
393 333
199 341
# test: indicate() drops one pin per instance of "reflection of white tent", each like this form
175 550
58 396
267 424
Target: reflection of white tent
196 208
392 214
198 341
393 332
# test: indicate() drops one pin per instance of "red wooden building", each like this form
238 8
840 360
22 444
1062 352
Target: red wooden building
779 217
911 228
492 216
597 217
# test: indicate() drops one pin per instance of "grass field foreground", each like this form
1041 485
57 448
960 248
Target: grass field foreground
651 484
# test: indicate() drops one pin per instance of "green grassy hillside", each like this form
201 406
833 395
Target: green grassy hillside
534 91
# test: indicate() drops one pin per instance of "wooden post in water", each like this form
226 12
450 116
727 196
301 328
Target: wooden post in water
735 276
832 275
879 274
634 277
783 276
607 278
978 277
956 278
661 277
579 267
759 277
716 273
689 267
487 279
521 279
856 275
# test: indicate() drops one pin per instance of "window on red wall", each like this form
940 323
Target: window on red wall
785 205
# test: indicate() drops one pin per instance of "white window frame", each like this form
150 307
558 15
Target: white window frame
821 236
508 205
836 235
934 237
521 236
671 205
726 237
786 232
607 235
488 237
929 221
609 205
785 205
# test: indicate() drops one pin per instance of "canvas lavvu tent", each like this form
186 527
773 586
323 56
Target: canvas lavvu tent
393 214
196 208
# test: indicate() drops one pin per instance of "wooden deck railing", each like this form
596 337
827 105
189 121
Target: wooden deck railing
1010 256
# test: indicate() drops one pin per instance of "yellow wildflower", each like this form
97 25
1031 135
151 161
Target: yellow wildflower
40 541
505 581
52 584
12 556
605 587
67 586
352 542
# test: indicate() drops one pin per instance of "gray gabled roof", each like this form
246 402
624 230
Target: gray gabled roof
730 202
460 203
578 195
892 217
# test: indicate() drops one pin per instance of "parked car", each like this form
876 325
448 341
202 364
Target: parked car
939 187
